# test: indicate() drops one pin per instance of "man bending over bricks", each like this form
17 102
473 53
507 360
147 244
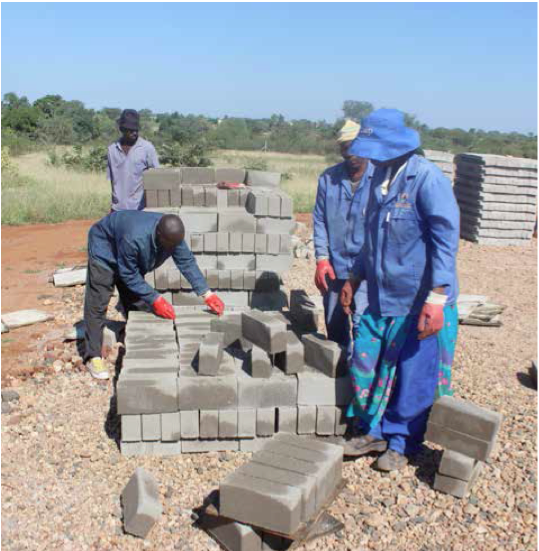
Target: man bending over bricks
122 248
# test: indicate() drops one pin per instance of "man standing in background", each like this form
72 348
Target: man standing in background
127 159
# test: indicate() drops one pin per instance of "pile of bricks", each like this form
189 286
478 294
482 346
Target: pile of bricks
443 160
241 238
468 432
203 383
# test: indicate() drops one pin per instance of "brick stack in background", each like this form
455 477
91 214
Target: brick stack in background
444 161
497 197
241 238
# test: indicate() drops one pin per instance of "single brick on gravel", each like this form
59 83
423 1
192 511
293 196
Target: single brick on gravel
264 331
140 503
454 486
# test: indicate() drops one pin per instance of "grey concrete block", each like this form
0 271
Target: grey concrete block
161 178
197 242
285 245
229 325
325 420
324 355
189 424
236 279
454 486
140 503
130 449
197 175
232 535
234 298
212 278
209 424
259 363
170 427
274 243
259 178
236 262
224 279
257 203
222 199
261 241
246 422
131 428
274 205
275 225
341 421
222 242
210 196
230 175
249 280
199 221
176 197
287 206
199 196
456 465
186 298
264 331
315 388
233 197
148 395
203 446
273 262
278 390
163 198
261 503
236 220
210 354
306 419
210 242
207 392
265 421
187 195
235 242
243 197
228 423
248 242
292 359
151 198
252 445
287 418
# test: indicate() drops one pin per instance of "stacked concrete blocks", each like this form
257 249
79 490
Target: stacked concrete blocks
444 161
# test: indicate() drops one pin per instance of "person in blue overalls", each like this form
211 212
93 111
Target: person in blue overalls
404 342
338 233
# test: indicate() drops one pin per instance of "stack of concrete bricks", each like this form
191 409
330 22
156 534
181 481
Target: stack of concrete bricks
203 383
444 161
241 238
497 197
469 433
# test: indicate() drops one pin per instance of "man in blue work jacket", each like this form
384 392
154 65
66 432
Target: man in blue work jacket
122 248
404 343
338 220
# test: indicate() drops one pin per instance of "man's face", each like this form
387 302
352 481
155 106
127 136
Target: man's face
351 160
129 136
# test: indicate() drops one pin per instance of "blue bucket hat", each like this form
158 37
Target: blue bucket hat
384 136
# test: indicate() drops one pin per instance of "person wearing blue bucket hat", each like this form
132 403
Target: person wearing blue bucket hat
404 342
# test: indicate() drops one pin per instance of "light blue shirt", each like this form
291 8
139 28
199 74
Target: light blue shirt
125 173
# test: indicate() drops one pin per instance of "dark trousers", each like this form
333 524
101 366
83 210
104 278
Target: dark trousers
100 282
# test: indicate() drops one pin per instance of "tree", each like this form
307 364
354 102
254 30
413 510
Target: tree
356 110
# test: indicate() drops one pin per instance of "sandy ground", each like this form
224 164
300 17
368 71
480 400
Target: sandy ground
62 473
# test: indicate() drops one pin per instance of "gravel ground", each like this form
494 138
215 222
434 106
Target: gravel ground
62 474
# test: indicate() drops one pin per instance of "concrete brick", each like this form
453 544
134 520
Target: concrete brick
237 220
222 242
285 245
148 395
131 428
207 392
454 486
170 427
261 503
210 354
197 242
259 178
229 325
189 424
228 423
222 199
257 203
249 279
196 175
236 279
248 242
341 421
265 421
292 359
224 279
236 262
212 278
261 241
465 417
209 424
324 355
287 206
325 420
246 423
186 298
151 198
234 298
306 419
199 196
259 363
163 198
243 197
176 197
233 197
202 446
252 445
199 221
210 199
287 418
274 225
232 535
187 194
274 243
273 262
140 503
230 175
267 333
161 178
278 390
235 242
456 465
130 449
210 242
274 205
315 388
174 279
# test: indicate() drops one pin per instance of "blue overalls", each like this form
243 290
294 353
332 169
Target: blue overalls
411 242
338 219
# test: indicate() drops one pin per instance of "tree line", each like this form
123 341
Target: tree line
185 138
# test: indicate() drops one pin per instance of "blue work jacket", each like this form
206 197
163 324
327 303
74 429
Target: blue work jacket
411 239
338 218
125 243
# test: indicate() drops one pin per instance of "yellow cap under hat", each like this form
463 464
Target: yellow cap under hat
349 131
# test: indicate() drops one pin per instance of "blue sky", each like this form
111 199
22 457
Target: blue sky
467 65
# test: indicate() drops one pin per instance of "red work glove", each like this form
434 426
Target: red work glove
163 309
214 303
323 268
431 320
347 295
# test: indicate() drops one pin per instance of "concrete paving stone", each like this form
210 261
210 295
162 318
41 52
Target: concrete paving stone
210 242
507 172
187 194
197 242
199 221
230 175
233 197
222 242
228 423
325 420
285 246
231 535
212 278
259 363
224 279
306 419
292 359
196 175
151 427
161 178
249 279
203 446
235 242
131 428
259 178
246 422
163 198
210 354
497 215
210 197
236 262
237 220
186 298
341 421
274 262
248 242
454 486
459 442
274 243
482 223
199 196
467 177
275 225
287 419
265 421
21 318
496 160
306 484
236 279
456 465
264 331
315 388
151 197
487 197
287 206
324 355
170 427
209 424
189 424
140 503
466 417
70 277
234 298
134 449
261 241
222 199
147 395
207 392
257 203
261 503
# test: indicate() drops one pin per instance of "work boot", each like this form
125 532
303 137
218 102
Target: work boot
391 461
362 445
97 368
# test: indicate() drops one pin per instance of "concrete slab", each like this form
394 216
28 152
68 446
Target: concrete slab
25 317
